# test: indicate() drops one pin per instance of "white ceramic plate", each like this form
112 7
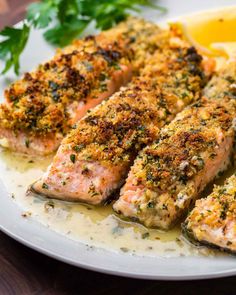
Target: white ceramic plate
42 239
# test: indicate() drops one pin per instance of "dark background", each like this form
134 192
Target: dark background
24 271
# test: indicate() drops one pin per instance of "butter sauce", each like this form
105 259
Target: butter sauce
94 226
98 226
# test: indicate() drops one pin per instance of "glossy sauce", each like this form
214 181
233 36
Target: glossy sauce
94 226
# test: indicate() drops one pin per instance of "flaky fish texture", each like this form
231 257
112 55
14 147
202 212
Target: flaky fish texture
41 107
212 222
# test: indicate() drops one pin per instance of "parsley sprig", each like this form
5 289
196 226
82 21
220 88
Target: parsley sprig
64 20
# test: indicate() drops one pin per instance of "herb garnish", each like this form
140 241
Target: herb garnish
73 158
145 235
27 142
64 20
44 186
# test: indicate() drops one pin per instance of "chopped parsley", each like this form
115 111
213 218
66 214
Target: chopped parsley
73 158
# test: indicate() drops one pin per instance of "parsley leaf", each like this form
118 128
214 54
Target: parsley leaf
40 14
64 20
63 34
13 45
67 9
108 13
69 25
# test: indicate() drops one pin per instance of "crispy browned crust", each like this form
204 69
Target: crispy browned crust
216 213
183 139
165 169
95 157
223 83
115 131
38 103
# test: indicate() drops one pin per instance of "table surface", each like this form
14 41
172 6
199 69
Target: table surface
24 271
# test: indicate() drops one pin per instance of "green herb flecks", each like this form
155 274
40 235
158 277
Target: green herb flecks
145 235
45 186
73 158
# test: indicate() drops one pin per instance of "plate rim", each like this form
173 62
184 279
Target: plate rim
30 232
92 266
104 270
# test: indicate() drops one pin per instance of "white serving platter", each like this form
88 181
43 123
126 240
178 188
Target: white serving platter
43 239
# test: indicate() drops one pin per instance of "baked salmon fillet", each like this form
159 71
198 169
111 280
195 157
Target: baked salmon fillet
95 157
213 220
169 174
223 82
41 107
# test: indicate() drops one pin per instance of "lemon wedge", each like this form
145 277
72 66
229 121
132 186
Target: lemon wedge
225 48
213 32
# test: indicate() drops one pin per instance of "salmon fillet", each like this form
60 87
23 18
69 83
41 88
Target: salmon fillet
223 83
213 219
169 174
95 157
41 107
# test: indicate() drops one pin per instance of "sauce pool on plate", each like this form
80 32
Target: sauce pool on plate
99 226
94 226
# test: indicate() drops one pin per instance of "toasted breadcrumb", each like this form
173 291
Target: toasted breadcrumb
95 157
169 174
213 219
40 103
